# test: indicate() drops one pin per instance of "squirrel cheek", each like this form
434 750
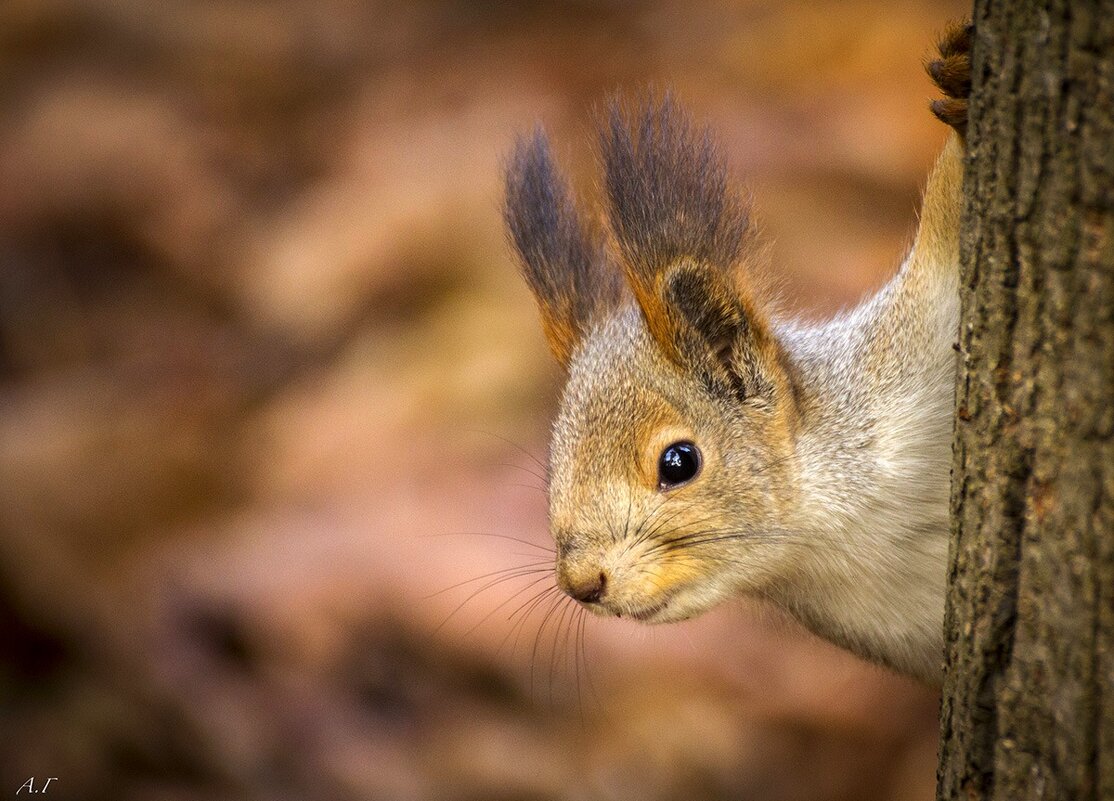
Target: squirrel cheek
665 578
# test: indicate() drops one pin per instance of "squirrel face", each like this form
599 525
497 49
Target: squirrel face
666 496
675 363
696 456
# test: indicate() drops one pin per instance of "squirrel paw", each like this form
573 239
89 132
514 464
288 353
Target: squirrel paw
952 73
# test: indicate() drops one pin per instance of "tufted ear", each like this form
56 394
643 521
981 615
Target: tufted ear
564 267
683 233
719 334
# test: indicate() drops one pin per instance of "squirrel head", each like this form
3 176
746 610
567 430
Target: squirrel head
670 464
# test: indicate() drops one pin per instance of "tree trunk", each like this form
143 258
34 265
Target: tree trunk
1028 709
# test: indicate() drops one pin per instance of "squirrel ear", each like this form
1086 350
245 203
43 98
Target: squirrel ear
719 334
702 312
674 217
563 267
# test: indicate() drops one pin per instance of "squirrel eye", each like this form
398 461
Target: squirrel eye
679 463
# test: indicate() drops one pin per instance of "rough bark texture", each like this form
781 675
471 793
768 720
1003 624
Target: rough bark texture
1028 708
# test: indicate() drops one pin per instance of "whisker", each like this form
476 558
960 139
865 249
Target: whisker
578 649
544 490
626 524
655 530
637 538
523 613
709 537
713 536
504 602
538 638
508 574
665 536
557 636
490 534
512 443
541 478
533 567
515 625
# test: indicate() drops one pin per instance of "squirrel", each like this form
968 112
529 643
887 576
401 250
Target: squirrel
706 448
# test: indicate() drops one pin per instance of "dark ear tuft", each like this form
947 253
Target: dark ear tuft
669 202
561 264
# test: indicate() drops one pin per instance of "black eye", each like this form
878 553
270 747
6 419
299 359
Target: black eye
678 464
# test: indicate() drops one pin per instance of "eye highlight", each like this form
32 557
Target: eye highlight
678 464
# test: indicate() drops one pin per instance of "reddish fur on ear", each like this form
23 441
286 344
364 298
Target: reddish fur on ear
648 293
682 234
670 207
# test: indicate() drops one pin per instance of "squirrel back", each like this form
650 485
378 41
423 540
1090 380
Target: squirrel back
704 447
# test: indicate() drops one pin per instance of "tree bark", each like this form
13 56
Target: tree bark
1028 708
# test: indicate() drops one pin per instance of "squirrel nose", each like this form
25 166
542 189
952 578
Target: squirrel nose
588 591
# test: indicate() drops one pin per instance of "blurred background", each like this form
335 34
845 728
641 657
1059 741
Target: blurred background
271 395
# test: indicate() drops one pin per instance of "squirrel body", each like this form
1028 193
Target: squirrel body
874 453
706 449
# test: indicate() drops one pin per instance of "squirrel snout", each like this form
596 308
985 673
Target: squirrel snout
588 589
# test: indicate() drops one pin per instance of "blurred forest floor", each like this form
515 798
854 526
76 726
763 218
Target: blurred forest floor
266 371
